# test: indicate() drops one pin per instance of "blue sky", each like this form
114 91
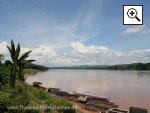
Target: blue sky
62 26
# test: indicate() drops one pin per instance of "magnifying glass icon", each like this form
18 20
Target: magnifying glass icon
132 13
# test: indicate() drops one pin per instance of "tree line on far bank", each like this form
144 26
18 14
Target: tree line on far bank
133 66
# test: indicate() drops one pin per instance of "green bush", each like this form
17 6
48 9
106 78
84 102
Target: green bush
42 95
25 95
4 102
4 75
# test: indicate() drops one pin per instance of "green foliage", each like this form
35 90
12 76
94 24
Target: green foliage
26 95
17 62
4 102
49 100
38 67
42 95
4 74
23 95
134 66
12 98
22 64
24 56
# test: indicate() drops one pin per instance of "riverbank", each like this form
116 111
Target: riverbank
29 72
84 103
101 83
78 107
87 103
24 98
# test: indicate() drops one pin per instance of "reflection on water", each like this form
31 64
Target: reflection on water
126 88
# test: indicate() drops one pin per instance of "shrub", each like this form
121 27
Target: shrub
4 102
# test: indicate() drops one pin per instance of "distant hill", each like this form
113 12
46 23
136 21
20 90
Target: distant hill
35 66
80 67
133 66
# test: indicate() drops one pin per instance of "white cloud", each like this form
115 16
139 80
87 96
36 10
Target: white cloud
80 48
81 55
3 47
100 55
140 29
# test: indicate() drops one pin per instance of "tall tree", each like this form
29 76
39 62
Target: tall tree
15 61
22 65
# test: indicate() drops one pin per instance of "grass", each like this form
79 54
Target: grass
29 72
29 97
25 98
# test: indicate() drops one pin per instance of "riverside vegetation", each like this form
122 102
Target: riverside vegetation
133 66
18 97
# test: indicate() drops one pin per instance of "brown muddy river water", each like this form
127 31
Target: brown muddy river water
125 88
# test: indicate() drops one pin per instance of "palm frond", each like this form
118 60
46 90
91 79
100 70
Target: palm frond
30 61
12 46
24 56
25 62
17 51
8 62
12 50
9 49
11 53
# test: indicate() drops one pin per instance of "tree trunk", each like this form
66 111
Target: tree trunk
13 77
21 76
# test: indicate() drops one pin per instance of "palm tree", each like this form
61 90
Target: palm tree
16 61
22 65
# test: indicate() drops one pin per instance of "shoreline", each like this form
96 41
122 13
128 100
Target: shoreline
97 69
84 103
93 105
67 92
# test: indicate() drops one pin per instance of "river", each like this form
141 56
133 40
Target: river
125 88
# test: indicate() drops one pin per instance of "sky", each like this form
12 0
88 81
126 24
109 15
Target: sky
75 32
